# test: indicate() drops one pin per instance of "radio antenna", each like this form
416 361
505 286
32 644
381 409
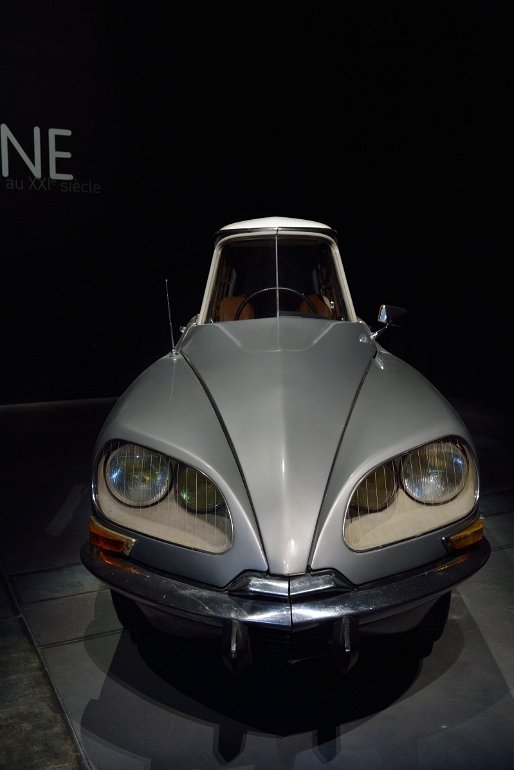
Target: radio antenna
169 316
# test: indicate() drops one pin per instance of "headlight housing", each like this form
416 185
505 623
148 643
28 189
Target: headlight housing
417 492
156 495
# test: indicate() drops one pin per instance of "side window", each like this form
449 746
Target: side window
223 287
327 285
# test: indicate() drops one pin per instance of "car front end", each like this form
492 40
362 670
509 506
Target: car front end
280 481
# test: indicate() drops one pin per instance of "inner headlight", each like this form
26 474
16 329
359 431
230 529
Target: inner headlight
196 491
376 489
435 473
137 476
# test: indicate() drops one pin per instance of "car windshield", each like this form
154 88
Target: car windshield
266 276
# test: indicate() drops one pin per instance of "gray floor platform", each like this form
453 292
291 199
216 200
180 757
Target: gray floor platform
77 693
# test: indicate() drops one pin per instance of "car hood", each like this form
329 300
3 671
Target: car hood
283 389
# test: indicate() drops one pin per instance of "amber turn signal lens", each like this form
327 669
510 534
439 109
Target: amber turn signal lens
108 540
467 536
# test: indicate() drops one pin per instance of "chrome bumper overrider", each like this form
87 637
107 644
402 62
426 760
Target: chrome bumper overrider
288 603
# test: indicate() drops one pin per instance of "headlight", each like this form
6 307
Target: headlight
156 495
136 475
412 494
377 489
435 473
196 491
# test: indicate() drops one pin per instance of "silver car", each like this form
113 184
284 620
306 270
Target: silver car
279 482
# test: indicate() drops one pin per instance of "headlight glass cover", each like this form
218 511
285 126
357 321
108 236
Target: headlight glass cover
159 496
412 494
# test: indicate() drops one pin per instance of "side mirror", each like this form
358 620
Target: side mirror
387 315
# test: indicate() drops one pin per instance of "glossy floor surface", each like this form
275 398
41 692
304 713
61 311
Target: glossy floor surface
77 693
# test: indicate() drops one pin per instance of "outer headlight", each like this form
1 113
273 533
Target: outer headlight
150 493
412 494
136 475
435 473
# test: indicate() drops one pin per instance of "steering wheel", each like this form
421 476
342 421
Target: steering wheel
274 288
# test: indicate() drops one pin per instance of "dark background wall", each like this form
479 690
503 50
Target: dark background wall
390 122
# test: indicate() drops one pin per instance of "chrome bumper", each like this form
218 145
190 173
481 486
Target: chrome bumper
289 603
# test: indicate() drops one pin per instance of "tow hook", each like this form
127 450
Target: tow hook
344 644
237 654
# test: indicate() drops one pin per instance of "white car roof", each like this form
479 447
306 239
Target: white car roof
274 222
